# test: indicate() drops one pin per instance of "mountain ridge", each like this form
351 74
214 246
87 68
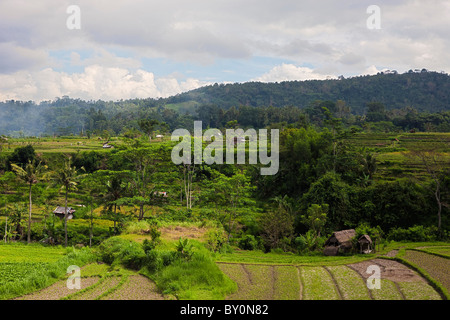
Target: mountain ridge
424 90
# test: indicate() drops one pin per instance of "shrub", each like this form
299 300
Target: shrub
215 239
248 242
128 253
416 233
136 227
309 242
184 249
197 278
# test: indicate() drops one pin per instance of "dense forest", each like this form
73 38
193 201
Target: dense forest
389 101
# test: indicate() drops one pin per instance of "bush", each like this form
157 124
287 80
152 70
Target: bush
309 242
128 253
416 233
136 227
248 242
215 240
184 249
196 279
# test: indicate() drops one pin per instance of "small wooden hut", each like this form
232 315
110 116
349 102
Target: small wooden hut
59 212
365 244
340 241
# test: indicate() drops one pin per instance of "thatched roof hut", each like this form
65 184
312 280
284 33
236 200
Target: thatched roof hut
365 244
340 241
59 211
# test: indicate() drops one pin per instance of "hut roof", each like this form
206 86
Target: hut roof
61 210
344 235
365 238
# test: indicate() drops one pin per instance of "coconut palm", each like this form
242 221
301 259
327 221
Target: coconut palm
115 188
30 175
67 178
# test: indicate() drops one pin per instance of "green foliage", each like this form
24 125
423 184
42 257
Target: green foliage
197 278
309 242
316 217
149 245
22 155
215 239
277 228
417 233
50 271
248 242
330 190
116 250
184 249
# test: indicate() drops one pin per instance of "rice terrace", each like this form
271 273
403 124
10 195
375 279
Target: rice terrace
357 210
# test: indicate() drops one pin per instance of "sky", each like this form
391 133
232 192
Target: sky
112 50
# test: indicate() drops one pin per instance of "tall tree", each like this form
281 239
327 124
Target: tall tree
30 175
66 177
144 161
115 189
435 165
147 126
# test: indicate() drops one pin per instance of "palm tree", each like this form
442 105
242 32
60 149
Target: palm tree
66 177
29 175
114 191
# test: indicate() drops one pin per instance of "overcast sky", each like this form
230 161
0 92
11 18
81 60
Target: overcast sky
141 48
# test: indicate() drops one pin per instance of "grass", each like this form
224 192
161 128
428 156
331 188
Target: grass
61 144
440 251
31 253
39 278
197 279
287 283
350 283
261 279
418 291
259 257
237 274
438 268
390 154
318 284
388 291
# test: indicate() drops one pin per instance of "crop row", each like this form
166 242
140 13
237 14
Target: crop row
264 282
13 271
437 267
99 283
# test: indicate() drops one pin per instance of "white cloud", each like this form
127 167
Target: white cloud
290 72
330 35
96 82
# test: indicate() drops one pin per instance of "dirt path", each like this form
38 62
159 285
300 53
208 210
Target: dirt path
137 287
101 283
58 290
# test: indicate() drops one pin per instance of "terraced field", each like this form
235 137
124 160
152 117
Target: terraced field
340 282
97 283
437 267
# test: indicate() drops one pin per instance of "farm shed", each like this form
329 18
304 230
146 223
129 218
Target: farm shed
59 211
365 244
340 241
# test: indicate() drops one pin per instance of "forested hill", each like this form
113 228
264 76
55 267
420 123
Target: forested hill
424 91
